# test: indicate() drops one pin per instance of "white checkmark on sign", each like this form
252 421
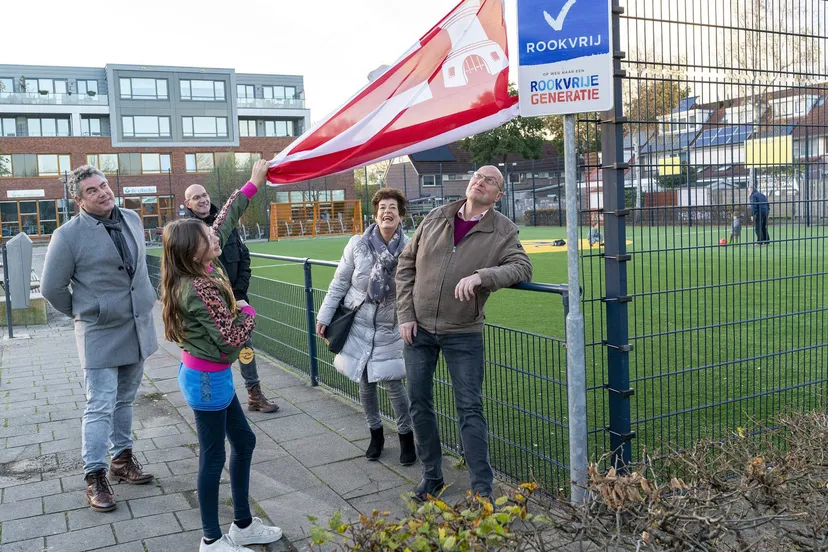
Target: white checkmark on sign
557 22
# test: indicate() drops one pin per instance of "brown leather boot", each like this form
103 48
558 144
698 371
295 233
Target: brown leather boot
257 401
125 467
99 493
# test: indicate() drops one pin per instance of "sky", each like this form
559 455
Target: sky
334 44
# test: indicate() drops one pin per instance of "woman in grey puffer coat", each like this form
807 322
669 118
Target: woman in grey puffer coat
373 351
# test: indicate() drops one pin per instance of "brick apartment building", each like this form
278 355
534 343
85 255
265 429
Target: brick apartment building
153 130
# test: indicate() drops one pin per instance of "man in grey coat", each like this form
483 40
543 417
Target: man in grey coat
96 272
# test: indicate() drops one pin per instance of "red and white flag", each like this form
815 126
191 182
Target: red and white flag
451 84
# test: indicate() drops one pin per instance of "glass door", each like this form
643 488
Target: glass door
28 217
149 212
166 209
48 216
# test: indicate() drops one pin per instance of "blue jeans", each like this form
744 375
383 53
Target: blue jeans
464 356
107 419
248 369
212 426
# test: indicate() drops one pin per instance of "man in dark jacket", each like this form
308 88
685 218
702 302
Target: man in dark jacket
761 210
235 259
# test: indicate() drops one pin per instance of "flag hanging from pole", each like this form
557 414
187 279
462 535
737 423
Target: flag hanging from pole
451 84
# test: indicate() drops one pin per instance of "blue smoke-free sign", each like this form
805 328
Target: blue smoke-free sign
564 56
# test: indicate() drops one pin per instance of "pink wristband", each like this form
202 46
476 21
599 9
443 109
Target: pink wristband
249 190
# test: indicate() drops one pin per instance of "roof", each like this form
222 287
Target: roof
438 154
724 135
669 142
451 159
686 104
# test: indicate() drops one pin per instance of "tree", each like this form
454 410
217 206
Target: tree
225 178
587 132
768 43
523 136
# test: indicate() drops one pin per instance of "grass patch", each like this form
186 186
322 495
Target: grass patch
721 336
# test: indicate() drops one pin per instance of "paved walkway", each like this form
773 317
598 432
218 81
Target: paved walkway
308 460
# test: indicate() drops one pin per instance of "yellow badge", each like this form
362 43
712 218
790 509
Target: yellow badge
246 355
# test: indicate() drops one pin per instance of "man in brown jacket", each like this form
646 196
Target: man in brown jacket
459 255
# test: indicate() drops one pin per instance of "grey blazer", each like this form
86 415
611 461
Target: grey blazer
112 314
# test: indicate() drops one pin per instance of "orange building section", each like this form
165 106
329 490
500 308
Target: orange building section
315 218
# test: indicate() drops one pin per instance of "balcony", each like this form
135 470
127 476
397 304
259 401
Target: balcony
262 103
33 98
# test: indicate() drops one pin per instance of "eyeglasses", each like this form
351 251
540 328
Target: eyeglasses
491 181
205 195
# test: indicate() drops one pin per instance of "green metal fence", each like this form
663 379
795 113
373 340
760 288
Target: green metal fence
525 396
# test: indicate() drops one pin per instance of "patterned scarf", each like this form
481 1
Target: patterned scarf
381 284
114 225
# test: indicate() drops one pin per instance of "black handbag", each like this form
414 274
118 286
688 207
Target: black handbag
337 331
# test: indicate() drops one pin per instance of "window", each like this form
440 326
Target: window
106 162
155 163
146 126
24 164
246 159
246 91
86 86
202 90
52 165
5 165
279 92
143 89
48 127
204 127
199 162
6 85
129 163
8 217
793 106
278 128
91 127
247 128
430 180
51 86
8 127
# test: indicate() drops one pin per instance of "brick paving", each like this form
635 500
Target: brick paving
308 459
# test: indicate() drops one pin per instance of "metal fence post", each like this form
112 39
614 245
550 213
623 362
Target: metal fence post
575 367
615 248
314 367
807 182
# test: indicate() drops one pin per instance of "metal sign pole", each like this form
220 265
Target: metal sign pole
575 357
8 292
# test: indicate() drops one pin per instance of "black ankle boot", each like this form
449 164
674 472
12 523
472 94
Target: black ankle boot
428 487
408 453
375 448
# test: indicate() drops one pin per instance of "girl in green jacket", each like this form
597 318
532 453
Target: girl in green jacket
201 315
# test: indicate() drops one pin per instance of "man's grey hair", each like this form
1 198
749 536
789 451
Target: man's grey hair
80 174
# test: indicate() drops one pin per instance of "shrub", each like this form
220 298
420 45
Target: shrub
473 524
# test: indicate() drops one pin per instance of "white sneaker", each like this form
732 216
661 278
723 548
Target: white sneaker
255 533
224 544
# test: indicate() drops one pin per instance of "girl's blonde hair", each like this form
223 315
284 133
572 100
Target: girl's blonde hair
182 240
